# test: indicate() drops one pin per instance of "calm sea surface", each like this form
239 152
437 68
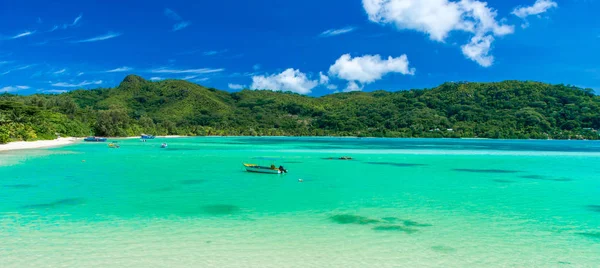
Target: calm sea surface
398 203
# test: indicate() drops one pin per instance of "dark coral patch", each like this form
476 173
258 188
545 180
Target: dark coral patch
395 228
352 219
220 209
493 171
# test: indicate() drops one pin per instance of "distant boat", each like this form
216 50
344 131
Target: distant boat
267 170
94 139
147 137
164 145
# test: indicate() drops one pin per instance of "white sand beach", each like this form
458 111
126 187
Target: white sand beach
21 145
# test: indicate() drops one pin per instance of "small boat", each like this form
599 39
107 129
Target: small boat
267 170
94 139
345 158
147 137
114 145
164 145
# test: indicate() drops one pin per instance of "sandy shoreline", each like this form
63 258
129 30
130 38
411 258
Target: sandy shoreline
23 145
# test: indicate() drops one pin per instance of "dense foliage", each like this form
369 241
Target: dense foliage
509 109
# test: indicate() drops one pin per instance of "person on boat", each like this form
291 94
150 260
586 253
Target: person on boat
272 166
282 169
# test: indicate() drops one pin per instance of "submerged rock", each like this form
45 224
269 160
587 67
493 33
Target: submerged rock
395 228
220 209
57 203
443 249
352 219
496 171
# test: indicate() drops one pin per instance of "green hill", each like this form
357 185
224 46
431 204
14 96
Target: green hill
509 109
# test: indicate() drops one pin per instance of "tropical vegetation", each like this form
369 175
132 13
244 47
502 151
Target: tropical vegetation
503 110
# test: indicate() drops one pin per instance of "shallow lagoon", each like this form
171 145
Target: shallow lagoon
398 203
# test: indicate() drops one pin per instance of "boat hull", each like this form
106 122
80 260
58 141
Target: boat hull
259 169
90 139
264 171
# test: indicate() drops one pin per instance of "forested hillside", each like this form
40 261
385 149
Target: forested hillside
509 109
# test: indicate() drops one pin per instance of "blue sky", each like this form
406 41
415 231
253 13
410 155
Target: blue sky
310 47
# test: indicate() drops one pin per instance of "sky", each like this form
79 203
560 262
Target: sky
312 47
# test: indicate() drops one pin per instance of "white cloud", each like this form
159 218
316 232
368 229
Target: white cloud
60 71
80 73
174 16
181 25
288 80
539 7
437 18
256 67
236 86
478 50
353 86
120 70
189 77
323 79
54 91
81 84
369 68
334 32
67 25
332 87
214 52
23 34
22 67
13 88
106 36
187 71
54 28
156 78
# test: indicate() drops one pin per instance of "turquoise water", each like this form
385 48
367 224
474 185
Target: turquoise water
398 203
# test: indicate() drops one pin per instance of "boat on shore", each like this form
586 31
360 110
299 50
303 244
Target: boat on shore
94 139
266 170
147 137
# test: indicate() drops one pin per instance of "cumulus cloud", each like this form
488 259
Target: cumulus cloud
334 32
81 84
323 79
369 68
353 86
437 18
539 7
236 86
13 88
478 50
288 80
